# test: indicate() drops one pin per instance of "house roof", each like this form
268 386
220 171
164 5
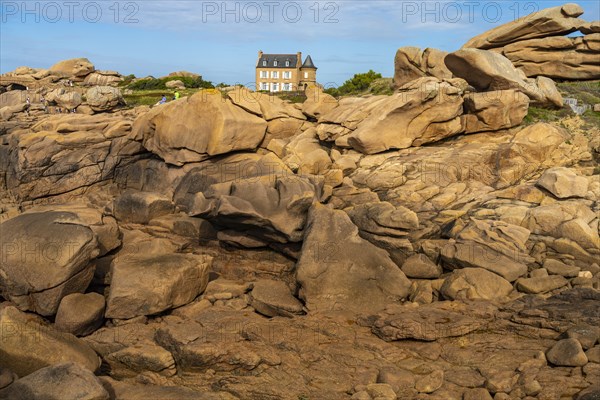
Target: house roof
280 58
308 63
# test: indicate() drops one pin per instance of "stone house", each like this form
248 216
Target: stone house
284 72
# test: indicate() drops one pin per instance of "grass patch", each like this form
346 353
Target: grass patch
536 114
591 118
293 97
586 92
151 97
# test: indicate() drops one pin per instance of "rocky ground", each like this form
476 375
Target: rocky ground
430 244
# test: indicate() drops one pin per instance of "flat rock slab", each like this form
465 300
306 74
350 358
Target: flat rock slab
61 381
273 298
432 322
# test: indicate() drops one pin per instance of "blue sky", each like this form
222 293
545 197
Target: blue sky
220 40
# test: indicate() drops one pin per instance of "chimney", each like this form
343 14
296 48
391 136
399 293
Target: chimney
260 53
299 59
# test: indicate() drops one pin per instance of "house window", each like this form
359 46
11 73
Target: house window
264 86
264 74
275 74
264 63
275 63
287 63
275 87
287 87
306 75
287 75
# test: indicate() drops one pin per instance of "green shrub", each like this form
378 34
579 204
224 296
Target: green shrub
358 84
158 84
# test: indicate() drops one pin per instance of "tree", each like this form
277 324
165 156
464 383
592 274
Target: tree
357 84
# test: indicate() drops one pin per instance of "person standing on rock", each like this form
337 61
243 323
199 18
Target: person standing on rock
43 101
27 106
163 100
176 96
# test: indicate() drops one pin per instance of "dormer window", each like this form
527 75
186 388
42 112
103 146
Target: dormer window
275 63
287 63
264 63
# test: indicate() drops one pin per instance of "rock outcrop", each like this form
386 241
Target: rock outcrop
46 256
338 270
572 58
435 243
65 155
553 21
76 68
413 63
537 44
103 98
489 71
424 111
198 127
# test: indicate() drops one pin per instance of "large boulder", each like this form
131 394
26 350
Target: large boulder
57 382
198 127
475 284
487 71
493 245
317 102
567 353
64 98
141 207
527 151
46 256
103 78
28 345
229 168
563 183
553 21
493 111
413 63
75 68
175 84
567 58
104 98
149 284
338 270
65 155
271 208
13 98
80 314
305 154
424 111
264 105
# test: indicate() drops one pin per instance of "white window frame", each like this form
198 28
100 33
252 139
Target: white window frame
275 74
275 87
264 74
306 75
264 86
287 87
264 63
287 63
275 63
287 75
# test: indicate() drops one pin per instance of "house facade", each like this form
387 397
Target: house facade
284 72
